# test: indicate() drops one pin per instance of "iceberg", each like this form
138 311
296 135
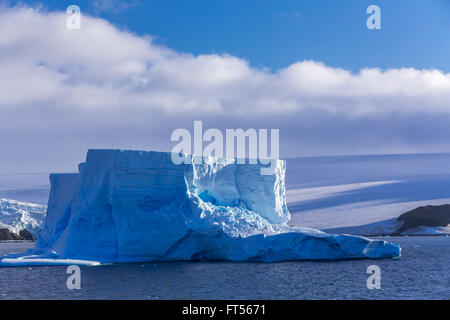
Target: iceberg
137 206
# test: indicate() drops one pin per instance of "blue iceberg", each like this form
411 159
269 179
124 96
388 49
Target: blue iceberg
136 206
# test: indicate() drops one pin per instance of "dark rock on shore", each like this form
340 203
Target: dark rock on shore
26 235
6 234
429 216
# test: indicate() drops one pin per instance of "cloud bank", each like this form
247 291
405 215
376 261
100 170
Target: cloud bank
62 91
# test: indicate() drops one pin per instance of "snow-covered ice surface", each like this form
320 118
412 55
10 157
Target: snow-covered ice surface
389 227
357 214
365 194
38 195
427 231
129 206
17 215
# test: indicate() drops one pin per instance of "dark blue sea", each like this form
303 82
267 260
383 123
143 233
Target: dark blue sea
421 273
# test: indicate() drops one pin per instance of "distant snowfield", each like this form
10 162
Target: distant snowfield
354 214
365 192
300 195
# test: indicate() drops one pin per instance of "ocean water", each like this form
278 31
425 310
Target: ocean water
421 273
323 192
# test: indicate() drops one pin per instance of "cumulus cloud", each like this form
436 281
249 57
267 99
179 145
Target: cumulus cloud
79 88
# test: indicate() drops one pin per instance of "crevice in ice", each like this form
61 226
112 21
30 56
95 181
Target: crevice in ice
207 196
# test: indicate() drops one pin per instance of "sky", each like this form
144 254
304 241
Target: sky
137 70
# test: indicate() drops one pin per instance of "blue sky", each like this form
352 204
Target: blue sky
137 70
275 34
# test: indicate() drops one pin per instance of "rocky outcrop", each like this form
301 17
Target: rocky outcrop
26 235
6 234
17 216
427 216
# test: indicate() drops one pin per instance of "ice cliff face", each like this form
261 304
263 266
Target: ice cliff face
126 206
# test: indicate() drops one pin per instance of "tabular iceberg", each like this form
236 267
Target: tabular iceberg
135 206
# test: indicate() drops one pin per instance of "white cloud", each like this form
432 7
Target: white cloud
103 78
118 67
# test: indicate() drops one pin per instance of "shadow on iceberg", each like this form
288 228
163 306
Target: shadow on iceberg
135 206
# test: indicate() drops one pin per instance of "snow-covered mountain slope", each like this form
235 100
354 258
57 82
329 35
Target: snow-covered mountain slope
16 216
127 206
